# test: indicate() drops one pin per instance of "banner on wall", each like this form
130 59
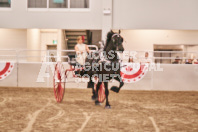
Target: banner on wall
6 69
133 72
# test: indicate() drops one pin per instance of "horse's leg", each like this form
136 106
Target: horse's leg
91 85
107 106
93 92
115 88
96 93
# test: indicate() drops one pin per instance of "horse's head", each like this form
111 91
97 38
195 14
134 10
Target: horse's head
117 41
114 41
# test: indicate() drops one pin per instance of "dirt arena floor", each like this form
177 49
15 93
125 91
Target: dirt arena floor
35 110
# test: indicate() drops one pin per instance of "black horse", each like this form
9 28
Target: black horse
106 67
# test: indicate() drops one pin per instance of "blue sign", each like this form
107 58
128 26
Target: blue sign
58 1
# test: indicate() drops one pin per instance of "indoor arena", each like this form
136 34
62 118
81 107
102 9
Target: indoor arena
98 66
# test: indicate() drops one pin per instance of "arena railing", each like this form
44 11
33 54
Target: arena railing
29 64
163 57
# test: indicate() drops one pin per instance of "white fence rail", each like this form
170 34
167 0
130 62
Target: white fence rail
28 65
163 57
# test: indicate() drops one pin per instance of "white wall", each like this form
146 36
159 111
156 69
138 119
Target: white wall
30 39
33 43
176 78
33 39
13 38
145 39
107 18
155 14
20 17
47 37
134 39
170 79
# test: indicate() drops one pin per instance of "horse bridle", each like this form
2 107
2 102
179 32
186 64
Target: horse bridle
118 35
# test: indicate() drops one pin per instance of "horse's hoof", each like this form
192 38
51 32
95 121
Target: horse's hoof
97 103
93 98
115 89
108 107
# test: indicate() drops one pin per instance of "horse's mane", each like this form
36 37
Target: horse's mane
109 35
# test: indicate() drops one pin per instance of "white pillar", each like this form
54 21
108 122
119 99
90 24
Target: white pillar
61 43
33 43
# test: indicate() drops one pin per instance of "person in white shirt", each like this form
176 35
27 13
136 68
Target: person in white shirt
146 58
81 50
130 59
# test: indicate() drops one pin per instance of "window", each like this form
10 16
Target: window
79 3
5 3
37 3
58 4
